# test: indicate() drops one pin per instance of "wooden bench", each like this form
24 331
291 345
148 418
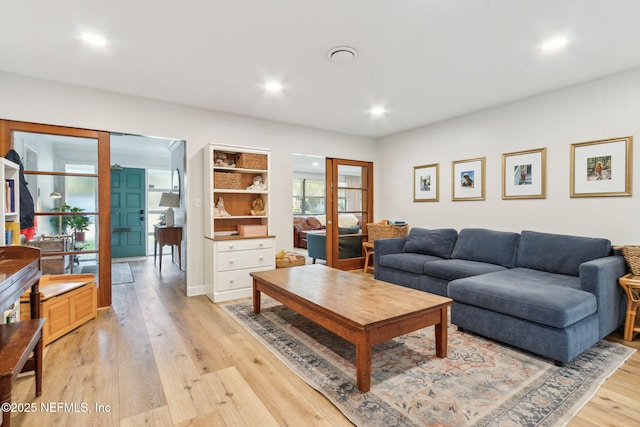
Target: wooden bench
67 301
17 342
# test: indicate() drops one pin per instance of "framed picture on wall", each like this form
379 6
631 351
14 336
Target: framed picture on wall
467 179
426 183
524 174
601 168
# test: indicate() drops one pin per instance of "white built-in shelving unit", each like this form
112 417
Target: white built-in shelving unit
237 239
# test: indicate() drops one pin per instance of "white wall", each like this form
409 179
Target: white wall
32 100
602 109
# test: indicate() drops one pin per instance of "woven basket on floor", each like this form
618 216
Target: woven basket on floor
631 253
287 262
385 231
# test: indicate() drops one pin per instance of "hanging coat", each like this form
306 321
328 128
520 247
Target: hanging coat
27 208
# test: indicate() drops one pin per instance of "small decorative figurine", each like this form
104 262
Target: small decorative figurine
258 207
222 161
258 184
219 209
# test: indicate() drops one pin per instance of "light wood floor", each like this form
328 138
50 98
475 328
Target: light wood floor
159 358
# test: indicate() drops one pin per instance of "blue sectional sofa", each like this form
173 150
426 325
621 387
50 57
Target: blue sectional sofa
550 294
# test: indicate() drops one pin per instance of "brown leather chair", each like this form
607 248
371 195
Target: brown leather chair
301 225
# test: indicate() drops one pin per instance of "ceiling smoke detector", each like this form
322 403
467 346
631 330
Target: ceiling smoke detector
343 54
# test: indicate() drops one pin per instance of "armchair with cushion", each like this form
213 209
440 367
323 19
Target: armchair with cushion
348 246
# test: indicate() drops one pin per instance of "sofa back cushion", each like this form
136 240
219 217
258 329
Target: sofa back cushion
557 253
431 242
494 247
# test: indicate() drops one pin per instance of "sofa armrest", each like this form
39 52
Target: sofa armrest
385 247
296 235
389 246
600 277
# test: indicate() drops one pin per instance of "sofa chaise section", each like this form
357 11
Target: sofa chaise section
560 299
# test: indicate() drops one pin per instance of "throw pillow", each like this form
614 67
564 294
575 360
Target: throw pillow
431 242
322 219
347 220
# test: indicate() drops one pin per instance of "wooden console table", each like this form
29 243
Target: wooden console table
164 235
20 269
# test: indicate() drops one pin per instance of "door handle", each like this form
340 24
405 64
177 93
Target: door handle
141 211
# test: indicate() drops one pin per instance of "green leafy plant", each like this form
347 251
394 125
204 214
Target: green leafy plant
75 223
79 222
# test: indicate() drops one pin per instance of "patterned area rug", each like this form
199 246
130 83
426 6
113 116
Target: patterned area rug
480 383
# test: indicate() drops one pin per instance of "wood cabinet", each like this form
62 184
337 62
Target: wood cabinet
237 220
67 301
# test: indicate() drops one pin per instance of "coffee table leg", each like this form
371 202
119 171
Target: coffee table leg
256 298
363 366
441 334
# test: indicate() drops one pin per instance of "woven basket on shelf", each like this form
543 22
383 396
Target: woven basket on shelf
227 180
385 231
251 161
631 254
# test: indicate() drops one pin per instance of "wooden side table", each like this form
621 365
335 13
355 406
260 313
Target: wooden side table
368 253
631 285
167 236
17 341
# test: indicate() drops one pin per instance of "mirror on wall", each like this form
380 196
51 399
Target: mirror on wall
176 186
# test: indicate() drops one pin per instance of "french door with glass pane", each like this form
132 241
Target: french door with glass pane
67 171
349 186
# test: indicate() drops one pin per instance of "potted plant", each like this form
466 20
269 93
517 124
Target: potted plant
78 224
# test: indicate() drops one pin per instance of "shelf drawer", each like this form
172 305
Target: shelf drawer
245 259
231 280
244 244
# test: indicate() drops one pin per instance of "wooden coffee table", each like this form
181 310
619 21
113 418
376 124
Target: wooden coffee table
358 308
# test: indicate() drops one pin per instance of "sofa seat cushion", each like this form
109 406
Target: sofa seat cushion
451 269
479 244
550 299
431 242
413 263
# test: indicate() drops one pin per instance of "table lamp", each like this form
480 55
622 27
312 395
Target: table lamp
169 200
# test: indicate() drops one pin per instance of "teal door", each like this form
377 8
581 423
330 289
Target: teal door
128 225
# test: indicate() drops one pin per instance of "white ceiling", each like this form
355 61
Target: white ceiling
424 60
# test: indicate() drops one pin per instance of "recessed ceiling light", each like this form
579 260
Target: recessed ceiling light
377 111
273 87
94 39
553 44
343 54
